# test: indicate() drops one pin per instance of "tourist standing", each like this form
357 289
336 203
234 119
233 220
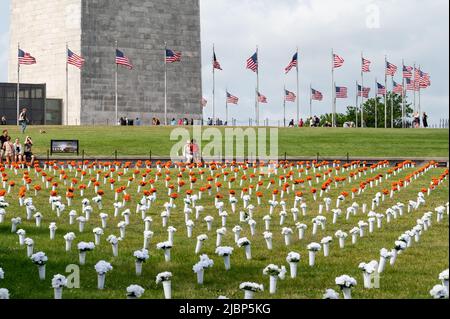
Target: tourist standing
23 120
425 120
8 148
28 153
18 151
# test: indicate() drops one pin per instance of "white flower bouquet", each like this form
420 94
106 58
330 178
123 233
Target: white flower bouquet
83 248
346 283
98 232
141 257
301 230
199 268
293 259
69 238
287 233
135 292
439 292
148 235
114 241
326 245
14 223
274 272
330 294
384 256
200 240
81 222
226 253
443 276
368 270
250 288
166 279
40 259
209 220
244 242
313 248
166 246
58 283
341 236
102 267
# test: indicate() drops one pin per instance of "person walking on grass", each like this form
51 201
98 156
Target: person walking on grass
23 120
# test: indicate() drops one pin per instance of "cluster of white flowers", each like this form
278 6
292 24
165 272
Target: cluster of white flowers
113 240
204 263
221 231
286 231
83 246
4 293
141 255
368 268
443 275
251 286
164 245
314 247
224 251
293 257
98 231
59 281
102 267
341 234
346 281
274 270
385 253
326 240
164 276
202 237
135 291
439 292
70 236
39 258
330 294
243 242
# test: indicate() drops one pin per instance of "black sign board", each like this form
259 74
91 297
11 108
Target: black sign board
64 147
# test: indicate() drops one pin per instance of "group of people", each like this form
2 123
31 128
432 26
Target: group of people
182 122
15 152
416 121
191 152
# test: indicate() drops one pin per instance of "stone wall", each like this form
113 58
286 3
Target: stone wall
140 27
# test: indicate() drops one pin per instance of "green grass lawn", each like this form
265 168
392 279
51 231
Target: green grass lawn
414 274
139 141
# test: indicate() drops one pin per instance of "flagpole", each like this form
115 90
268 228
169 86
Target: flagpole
284 108
420 106
116 90
376 103
18 84
403 96
257 88
214 87
392 103
298 91
385 94
356 107
310 101
226 105
414 85
362 91
165 83
67 85
333 90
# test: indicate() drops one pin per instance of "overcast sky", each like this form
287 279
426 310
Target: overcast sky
414 30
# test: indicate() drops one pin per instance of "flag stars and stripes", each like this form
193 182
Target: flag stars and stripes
232 99
366 65
292 64
391 69
216 64
172 56
252 63
407 72
364 92
381 89
316 95
341 92
121 59
262 98
25 58
337 61
290 96
75 59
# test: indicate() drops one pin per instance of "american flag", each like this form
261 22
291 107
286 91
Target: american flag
75 59
381 89
424 80
407 72
252 63
293 64
216 64
172 56
364 92
316 95
121 59
391 69
341 92
366 65
204 102
232 99
289 96
410 84
26 58
398 88
338 61
262 98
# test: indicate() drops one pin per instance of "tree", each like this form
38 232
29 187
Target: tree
369 111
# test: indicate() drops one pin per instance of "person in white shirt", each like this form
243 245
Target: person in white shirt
18 151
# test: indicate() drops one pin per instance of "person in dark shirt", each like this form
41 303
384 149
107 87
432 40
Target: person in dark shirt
28 154
425 120
3 139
